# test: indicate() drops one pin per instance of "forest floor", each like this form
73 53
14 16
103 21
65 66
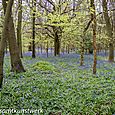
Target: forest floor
59 84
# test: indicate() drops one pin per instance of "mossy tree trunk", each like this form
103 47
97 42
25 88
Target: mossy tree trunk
109 31
4 38
16 62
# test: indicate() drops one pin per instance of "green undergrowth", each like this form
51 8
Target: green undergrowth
45 66
60 85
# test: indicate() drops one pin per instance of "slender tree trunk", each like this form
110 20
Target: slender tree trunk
74 6
105 51
38 48
6 49
113 18
109 31
93 17
51 47
82 52
4 38
41 47
63 49
19 40
68 49
47 48
33 29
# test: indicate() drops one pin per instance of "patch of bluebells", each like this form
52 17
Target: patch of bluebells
72 63
103 54
75 84
72 59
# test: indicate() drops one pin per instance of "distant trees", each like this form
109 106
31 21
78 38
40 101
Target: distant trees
57 15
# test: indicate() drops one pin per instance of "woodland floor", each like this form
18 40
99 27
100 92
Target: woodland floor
59 84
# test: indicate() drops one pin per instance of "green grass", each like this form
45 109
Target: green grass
60 85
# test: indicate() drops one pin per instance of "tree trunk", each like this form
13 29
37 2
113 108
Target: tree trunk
68 49
41 47
16 62
82 51
57 35
38 48
33 29
51 47
6 48
113 6
4 38
47 47
19 40
56 45
109 31
63 49
113 19
93 17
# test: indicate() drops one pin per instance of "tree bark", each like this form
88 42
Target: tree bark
56 42
56 46
93 17
19 26
41 47
4 38
109 31
68 48
113 18
16 62
33 29
47 47
82 51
